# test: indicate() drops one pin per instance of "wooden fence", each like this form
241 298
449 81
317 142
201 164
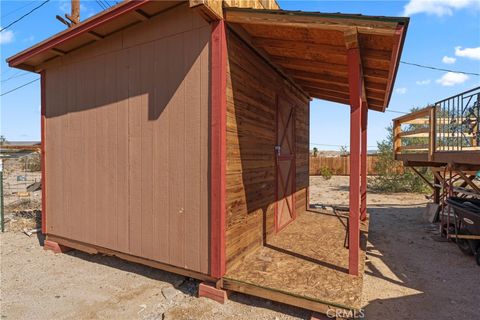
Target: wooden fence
341 165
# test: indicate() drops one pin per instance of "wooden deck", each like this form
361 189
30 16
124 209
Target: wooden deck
445 133
306 265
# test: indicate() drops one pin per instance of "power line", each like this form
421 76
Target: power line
101 5
438 69
396 111
17 9
15 89
26 14
16 75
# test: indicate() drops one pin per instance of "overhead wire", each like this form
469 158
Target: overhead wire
16 75
18 9
19 87
439 69
24 16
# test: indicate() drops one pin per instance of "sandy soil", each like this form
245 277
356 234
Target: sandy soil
408 275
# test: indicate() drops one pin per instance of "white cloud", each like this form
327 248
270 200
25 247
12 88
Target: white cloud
472 53
423 82
29 39
401 90
6 37
448 60
452 78
437 7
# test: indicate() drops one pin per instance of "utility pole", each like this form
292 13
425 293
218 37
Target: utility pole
73 17
75 14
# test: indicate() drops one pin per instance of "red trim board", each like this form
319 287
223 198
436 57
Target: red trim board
218 147
43 128
355 83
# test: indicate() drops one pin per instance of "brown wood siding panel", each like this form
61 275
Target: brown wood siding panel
252 87
128 132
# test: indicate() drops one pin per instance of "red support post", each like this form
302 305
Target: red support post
355 85
43 112
363 165
218 147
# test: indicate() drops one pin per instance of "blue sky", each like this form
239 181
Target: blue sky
442 33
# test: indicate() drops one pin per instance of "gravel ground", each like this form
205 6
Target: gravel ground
408 275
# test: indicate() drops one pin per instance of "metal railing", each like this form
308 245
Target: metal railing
457 122
450 125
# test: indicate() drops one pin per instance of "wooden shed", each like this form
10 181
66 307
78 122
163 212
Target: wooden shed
176 134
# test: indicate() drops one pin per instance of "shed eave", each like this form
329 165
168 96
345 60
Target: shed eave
310 48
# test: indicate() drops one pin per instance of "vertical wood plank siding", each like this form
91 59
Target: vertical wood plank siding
128 141
252 86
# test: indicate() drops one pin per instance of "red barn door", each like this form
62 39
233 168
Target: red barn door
285 163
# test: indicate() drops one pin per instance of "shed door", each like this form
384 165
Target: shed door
285 163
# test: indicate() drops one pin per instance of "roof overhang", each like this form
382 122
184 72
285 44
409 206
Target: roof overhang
114 19
311 49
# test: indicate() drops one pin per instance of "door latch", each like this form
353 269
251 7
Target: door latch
278 150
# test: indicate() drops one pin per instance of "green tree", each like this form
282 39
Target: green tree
391 177
315 152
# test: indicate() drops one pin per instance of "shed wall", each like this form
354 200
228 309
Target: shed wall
252 88
127 141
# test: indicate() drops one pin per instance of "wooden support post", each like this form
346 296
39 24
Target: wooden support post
397 142
218 147
43 128
363 165
436 190
355 90
432 134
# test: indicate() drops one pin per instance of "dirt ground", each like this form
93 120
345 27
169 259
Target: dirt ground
408 275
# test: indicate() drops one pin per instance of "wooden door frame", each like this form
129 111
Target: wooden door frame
293 162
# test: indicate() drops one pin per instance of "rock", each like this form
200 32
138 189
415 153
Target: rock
169 293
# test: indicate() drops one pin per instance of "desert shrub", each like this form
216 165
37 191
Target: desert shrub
390 178
326 173
32 163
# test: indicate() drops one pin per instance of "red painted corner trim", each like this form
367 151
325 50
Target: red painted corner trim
75 31
398 40
355 88
43 128
218 87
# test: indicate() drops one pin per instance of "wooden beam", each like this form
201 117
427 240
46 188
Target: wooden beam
307 63
333 93
363 164
141 15
425 112
315 76
94 35
245 37
396 47
218 148
328 97
300 45
43 136
468 181
309 21
355 86
58 52
423 178
342 88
